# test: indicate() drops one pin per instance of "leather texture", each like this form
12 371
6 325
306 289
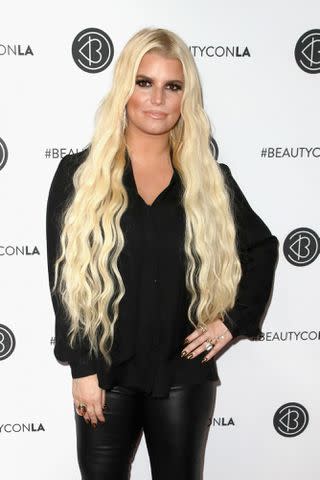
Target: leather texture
176 430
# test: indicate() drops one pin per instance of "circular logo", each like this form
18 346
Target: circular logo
92 50
214 148
307 51
7 342
291 419
301 247
3 154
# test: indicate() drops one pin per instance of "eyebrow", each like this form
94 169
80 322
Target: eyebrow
145 77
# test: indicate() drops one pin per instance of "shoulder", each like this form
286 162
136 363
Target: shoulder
67 167
236 195
62 182
70 162
225 169
229 181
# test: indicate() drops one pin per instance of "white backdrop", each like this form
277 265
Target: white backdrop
260 98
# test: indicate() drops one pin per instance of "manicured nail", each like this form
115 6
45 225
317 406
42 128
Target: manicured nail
190 355
204 360
184 353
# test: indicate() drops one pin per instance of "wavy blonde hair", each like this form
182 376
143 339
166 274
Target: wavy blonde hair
91 287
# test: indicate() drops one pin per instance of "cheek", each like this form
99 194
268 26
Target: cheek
135 102
176 106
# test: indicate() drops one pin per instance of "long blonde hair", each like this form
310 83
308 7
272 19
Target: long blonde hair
91 239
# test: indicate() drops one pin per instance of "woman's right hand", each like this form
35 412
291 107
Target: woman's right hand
86 390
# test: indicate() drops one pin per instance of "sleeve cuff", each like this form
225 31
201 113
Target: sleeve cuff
83 369
233 321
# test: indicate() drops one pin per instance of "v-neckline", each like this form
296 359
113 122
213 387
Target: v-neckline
129 164
149 205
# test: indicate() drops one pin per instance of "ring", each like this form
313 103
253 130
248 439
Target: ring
209 345
82 407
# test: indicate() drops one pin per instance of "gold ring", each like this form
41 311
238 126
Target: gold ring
82 407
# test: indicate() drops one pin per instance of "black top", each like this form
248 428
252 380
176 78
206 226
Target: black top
153 321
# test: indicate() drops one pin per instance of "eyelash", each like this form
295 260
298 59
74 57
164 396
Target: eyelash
175 85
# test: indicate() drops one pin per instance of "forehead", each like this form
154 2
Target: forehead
160 64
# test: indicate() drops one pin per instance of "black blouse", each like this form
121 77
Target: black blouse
153 321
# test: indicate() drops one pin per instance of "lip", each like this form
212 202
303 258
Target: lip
155 114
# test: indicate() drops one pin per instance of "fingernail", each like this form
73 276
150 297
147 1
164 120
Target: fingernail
190 355
87 421
184 353
94 425
204 360
186 341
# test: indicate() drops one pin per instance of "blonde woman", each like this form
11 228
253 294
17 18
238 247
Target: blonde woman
156 262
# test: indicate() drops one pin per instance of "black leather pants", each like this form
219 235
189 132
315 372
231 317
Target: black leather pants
175 428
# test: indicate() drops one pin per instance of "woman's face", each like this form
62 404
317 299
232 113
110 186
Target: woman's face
155 105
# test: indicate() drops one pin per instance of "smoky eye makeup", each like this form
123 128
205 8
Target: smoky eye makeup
173 85
141 82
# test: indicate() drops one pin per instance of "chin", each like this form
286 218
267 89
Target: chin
156 129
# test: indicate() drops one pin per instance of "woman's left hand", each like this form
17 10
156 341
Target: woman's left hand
198 339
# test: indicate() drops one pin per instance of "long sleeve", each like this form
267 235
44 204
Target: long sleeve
258 252
60 189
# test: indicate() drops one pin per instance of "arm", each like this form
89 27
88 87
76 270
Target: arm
258 252
60 189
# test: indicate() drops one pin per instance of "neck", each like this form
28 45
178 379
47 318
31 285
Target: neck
144 148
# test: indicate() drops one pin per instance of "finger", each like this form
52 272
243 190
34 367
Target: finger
210 354
103 398
81 413
202 348
199 339
216 349
78 410
99 412
92 415
195 334
86 417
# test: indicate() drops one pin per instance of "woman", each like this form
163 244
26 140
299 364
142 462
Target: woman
161 262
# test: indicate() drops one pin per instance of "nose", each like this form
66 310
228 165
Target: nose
157 95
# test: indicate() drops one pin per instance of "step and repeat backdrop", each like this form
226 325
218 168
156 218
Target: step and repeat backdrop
260 72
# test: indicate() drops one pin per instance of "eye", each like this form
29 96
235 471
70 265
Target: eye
174 87
142 83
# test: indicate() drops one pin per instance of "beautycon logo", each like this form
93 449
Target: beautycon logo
21 427
301 247
58 153
291 419
218 51
14 250
301 153
3 153
15 50
92 50
223 422
7 342
290 336
307 51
